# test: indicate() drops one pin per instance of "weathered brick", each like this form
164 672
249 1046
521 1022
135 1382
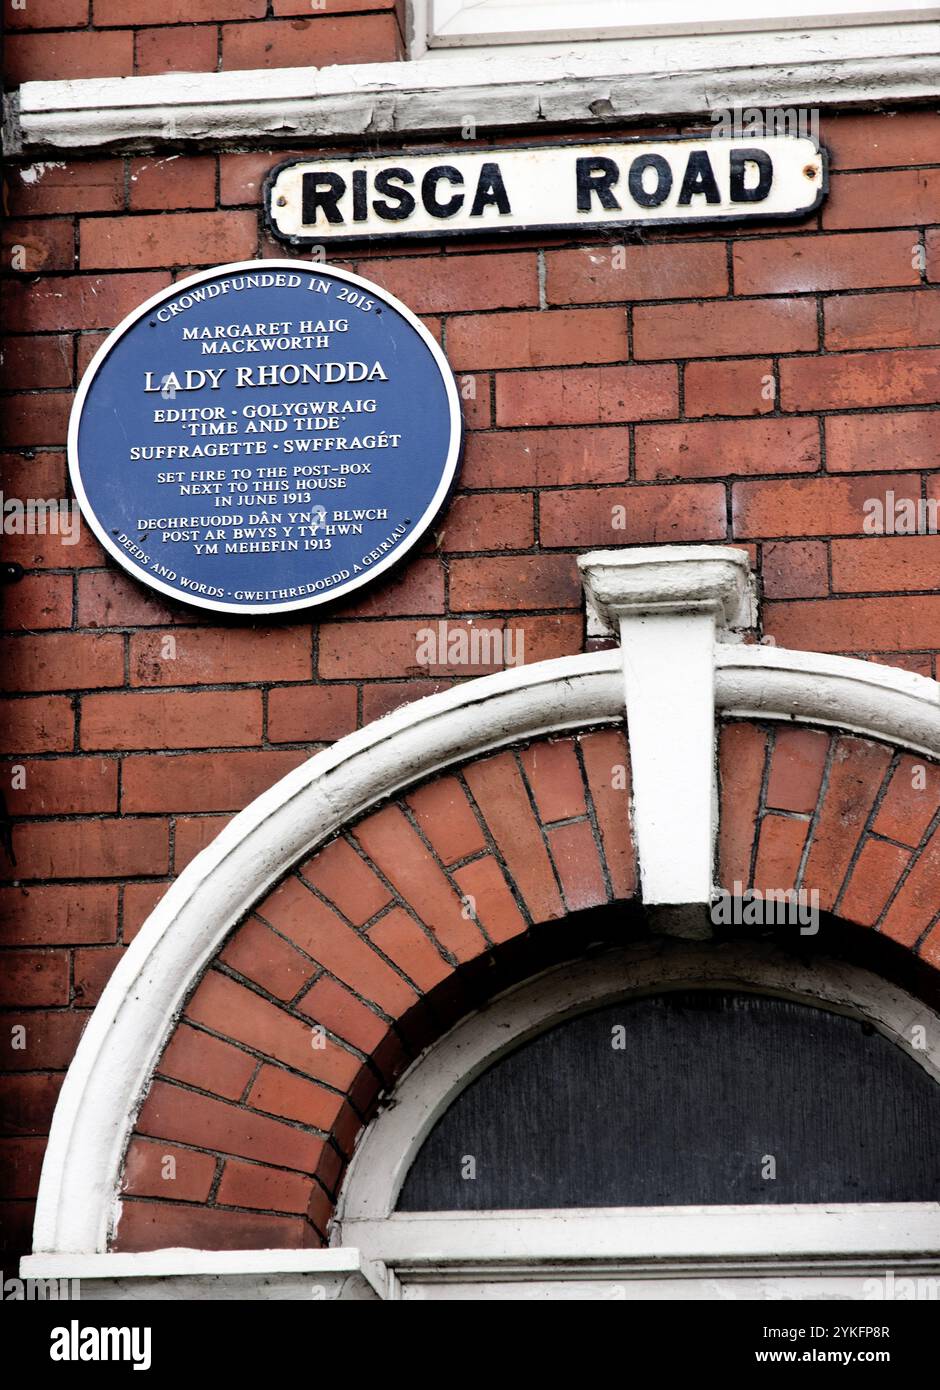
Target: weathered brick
395 848
497 788
172 181
36 363
730 387
540 339
65 787
167 238
586 395
188 48
903 197
66 186
728 329
61 56
207 1062
860 379
456 284
203 781
492 521
836 261
887 563
796 770
158 720
618 516
39 245
187 1177
62 661
128 847
592 274
511 583
92 968
77 301
724 447
446 818
856 625
547 458
742 751
44 724
795 569
50 915
898 318
216 656
311 713
870 443
344 877
317 42
34 978
810 506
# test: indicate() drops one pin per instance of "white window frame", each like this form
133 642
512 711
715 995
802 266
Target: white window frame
799 1251
472 23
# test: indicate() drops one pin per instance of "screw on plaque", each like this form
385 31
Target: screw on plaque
11 572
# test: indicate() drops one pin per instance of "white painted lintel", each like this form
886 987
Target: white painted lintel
589 85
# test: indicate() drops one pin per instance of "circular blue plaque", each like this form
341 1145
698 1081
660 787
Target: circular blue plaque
265 436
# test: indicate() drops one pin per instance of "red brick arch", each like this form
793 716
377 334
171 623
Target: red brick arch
854 819
372 941
361 949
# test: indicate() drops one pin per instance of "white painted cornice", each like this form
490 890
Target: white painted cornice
591 85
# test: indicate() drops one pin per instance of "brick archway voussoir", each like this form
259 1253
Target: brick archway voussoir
330 988
854 819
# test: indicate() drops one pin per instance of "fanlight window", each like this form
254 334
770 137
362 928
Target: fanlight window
688 1097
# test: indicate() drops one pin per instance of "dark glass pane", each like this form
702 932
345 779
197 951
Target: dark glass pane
709 1088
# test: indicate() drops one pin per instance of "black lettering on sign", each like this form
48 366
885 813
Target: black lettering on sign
638 191
402 204
491 191
322 190
740 159
360 185
596 176
699 178
429 197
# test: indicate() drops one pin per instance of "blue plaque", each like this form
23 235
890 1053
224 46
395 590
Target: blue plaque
265 436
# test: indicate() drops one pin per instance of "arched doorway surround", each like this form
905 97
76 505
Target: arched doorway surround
681 671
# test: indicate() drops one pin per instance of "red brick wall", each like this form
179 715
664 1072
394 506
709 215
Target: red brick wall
55 39
752 387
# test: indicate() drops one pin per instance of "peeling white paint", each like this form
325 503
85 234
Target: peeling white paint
35 172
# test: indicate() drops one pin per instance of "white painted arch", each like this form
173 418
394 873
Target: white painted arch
139 1007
